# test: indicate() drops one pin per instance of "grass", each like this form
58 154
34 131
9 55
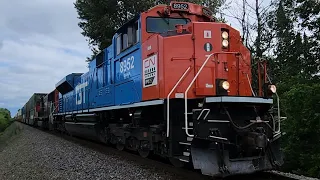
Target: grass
10 132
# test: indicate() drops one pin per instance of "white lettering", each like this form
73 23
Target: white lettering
127 65
80 93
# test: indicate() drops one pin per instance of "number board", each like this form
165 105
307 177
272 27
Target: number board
180 6
206 12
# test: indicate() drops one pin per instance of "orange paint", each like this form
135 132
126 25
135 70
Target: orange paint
189 47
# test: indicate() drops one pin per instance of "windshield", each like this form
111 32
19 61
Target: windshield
161 25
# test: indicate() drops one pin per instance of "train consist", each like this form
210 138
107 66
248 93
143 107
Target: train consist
38 109
175 83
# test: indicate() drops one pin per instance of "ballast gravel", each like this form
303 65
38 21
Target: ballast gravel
293 176
35 154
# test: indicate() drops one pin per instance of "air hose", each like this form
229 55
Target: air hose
238 127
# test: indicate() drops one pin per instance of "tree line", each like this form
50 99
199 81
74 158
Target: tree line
284 32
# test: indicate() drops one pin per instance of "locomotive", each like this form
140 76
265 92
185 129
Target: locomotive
178 84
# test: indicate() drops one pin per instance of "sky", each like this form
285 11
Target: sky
40 43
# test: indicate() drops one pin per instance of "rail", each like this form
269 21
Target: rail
168 99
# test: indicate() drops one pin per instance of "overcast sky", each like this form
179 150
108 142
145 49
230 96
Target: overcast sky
40 43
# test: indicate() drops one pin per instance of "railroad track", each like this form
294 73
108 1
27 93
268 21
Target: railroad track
182 173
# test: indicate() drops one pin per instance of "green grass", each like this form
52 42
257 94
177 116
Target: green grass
10 132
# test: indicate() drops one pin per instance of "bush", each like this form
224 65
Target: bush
301 143
5 119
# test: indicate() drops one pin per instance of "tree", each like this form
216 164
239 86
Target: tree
256 20
301 143
99 19
4 118
297 54
295 63
286 58
308 11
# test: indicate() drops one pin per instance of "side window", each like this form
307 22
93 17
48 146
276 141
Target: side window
136 32
100 59
110 74
124 41
128 37
119 44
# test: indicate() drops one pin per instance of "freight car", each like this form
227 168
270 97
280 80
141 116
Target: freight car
31 111
176 83
38 110
18 115
47 105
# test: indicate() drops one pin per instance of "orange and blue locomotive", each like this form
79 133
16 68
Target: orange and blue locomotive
176 83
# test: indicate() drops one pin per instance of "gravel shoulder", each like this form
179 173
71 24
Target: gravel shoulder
34 154
29 153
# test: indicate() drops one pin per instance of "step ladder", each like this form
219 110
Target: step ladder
189 120
186 146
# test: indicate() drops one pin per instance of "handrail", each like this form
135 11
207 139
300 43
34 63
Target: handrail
276 132
51 113
168 98
278 108
279 122
208 111
186 92
250 85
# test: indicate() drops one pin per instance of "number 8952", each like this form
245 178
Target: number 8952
127 64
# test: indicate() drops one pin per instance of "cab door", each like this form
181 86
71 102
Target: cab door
204 45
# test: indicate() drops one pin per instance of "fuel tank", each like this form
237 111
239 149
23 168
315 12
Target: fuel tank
83 125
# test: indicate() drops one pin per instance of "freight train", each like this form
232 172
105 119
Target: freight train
176 83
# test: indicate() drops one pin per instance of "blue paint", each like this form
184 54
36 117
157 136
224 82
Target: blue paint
114 78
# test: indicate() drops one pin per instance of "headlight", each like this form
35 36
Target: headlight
225 85
273 88
225 35
225 43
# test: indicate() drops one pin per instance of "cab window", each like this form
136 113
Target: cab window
161 24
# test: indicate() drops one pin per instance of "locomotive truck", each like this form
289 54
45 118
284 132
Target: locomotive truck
176 83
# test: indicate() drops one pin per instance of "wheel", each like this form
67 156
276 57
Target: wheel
176 162
102 137
144 153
